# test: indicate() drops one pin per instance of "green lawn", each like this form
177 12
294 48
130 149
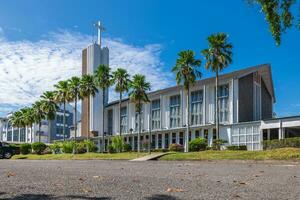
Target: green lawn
276 154
86 156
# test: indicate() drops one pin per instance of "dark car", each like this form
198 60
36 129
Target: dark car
7 150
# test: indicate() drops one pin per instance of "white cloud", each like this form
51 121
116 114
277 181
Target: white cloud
28 68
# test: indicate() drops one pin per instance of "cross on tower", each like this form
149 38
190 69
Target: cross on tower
99 28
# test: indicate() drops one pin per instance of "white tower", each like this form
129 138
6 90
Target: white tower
93 56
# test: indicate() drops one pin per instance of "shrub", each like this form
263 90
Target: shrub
235 147
127 147
25 148
80 147
38 147
175 147
111 149
117 143
218 143
67 146
47 150
56 147
288 142
90 146
198 144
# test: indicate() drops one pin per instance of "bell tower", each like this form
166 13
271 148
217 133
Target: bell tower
92 107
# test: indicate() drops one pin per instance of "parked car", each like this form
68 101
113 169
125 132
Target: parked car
7 150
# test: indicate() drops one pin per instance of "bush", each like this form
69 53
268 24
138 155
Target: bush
288 142
217 144
145 144
111 149
117 143
90 146
38 147
80 147
235 147
127 147
25 148
56 147
67 146
175 147
198 144
47 150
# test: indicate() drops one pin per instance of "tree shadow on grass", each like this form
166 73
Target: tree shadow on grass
161 197
51 197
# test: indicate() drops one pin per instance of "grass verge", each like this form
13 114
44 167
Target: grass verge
85 156
276 154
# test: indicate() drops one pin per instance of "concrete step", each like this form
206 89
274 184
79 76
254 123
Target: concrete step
152 156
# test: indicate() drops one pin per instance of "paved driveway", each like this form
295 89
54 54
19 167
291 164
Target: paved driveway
23 179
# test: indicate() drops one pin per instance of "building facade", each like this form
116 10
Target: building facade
50 130
246 99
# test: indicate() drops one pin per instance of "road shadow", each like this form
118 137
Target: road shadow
51 197
161 197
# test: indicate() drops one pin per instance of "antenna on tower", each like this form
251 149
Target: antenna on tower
99 28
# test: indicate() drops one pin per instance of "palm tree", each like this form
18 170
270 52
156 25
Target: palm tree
62 95
138 95
49 105
87 89
16 120
74 90
103 81
186 74
28 119
122 80
38 115
218 56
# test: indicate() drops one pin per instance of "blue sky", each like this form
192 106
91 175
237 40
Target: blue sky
157 30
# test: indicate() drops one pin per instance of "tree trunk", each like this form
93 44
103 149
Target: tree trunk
217 105
120 104
64 121
75 125
88 118
186 148
103 143
150 127
139 132
39 131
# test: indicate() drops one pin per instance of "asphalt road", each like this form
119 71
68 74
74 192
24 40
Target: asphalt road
24 179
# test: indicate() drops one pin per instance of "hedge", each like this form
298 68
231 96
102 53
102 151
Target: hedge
235 147
288 142
175 147
38 147
25 148
198 144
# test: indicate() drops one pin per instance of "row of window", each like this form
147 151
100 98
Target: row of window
175 108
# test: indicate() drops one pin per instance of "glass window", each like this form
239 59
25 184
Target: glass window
175 111
109 122
223 96
155 114
22 135
153 142
124 119
166 140
16 135
181 139
173 138
197 133
196 107
159 141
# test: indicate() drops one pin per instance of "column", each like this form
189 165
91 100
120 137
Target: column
156 141
268 134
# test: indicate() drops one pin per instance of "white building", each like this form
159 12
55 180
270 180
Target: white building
246 99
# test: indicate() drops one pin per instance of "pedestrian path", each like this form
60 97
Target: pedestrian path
150 157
